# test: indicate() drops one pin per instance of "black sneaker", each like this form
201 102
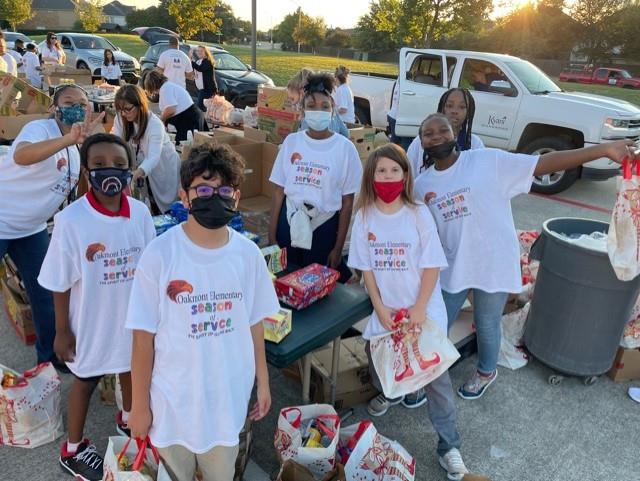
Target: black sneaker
122 428
84 464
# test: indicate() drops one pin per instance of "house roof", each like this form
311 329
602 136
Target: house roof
53 5
117 8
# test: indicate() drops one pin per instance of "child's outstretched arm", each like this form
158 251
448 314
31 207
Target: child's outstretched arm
570 159
64 344
418 312
383 312
142 356
262 405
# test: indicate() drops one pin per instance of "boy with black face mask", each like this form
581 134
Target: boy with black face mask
200 294
96 244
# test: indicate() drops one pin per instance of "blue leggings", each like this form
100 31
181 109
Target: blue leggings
28 254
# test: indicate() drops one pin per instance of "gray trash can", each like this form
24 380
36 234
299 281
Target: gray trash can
579 307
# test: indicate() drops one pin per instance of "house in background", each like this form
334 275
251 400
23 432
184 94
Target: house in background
60 15
115 16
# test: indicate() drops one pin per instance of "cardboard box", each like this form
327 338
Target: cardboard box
65 75
10 126
354 382
626 366
16 95
277 123
19 314
275 98
364 140
277 326
200 138
275 257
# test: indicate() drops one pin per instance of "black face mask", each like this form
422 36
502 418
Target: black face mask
442 151
109 181
213 212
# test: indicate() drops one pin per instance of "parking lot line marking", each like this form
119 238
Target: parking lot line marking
575 203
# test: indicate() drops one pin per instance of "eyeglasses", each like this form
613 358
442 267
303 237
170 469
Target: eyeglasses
204 191
54 38
126 110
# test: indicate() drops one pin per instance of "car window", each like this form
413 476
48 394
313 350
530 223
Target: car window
226 61
601 74
65 42
185 48
451 66
626 74
483 76
90 43
426 69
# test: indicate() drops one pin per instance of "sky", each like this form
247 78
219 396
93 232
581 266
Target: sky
337 13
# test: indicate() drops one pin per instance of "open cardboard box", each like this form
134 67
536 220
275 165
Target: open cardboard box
363 138
59 74
20 103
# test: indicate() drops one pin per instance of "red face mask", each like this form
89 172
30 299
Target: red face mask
388 191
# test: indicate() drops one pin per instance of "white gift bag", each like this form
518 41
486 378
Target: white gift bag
623 243
138 453
405 360
288 439
512 354
372 457
30 409
631 335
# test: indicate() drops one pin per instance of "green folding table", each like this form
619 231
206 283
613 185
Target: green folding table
316 326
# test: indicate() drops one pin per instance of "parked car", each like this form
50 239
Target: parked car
605 76
518 108
236 81
86 51
11 37
153 35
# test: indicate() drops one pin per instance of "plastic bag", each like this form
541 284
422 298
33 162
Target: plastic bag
30 406
631 335
512 354
218 109
623 243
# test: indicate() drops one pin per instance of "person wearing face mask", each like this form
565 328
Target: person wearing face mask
459 107
469 194
37 175
316 175
199 296
95 246
155 156
295 93
407 278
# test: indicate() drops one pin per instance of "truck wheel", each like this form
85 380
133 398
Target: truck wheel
557 181
362 116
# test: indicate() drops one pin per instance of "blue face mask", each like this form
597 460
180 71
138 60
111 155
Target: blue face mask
318 120
72 114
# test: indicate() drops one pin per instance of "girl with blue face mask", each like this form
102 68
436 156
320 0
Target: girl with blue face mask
37 175
316 175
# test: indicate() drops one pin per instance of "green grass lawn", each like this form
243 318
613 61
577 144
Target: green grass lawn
630 95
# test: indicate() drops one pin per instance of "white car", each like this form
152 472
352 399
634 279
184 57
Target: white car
11 37
518 108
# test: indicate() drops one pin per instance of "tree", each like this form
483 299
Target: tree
368 38
598 33
310 32
90 14
15 12
629 19
194 16
157 16
283 33
337 38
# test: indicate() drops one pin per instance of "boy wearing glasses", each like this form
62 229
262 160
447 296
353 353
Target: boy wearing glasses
200 293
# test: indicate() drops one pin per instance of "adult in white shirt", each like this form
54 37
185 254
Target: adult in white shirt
156 156
52 53
469 194
12 65
176 105
343 95
459 107
316 175
32 66
37 175
175 64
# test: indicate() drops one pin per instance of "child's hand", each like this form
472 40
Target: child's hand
64 345
386 318
140 422
262 405
417 318
334 259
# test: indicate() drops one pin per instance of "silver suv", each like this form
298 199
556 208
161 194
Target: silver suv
86 51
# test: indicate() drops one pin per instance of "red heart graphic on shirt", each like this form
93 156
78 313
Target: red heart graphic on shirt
176 287
93 249
295 156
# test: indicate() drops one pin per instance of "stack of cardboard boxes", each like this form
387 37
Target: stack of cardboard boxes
276 115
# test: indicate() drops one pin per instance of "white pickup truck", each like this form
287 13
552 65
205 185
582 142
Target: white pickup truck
518 108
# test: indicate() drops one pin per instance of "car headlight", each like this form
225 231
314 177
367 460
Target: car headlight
95 60
617 123
136 64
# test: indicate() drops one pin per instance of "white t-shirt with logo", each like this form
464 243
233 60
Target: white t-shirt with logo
111 71
396 248
31 194
12 65
175 64
172 95
200 304
31 64
471 204
415 152
317 172
95 256
343 97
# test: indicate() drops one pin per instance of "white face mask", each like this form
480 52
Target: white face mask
318 120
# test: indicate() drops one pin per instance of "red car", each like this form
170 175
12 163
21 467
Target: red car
605 76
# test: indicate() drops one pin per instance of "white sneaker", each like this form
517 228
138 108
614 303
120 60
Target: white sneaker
454 466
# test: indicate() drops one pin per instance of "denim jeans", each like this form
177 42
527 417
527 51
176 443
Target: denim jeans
28 254
202 96
487 314
441 407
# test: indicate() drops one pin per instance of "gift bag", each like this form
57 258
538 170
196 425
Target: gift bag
132 460
372 457
30 406
289 441
623 243
406 360
292 471
631 335
512 354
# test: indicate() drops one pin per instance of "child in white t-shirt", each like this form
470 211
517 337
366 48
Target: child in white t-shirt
96 244
405 277
200 294
32 66
469 194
